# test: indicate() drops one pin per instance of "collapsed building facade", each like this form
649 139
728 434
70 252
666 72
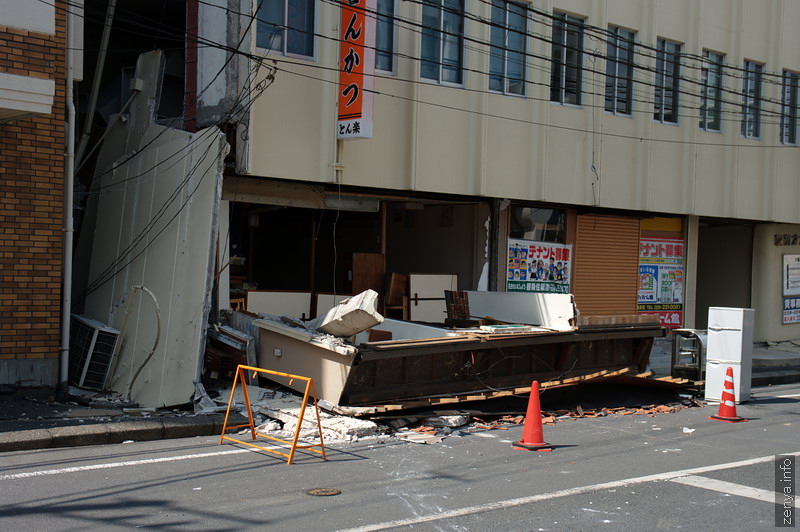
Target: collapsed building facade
495 150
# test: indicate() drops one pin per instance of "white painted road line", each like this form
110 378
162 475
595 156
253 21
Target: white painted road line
729 488
786 396
128 463
470 510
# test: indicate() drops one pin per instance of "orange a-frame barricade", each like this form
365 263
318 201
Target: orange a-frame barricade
240 376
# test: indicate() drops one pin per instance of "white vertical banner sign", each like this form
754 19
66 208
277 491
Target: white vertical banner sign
356 69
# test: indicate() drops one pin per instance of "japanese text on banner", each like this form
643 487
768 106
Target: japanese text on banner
356 69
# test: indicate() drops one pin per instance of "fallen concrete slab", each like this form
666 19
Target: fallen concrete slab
351 316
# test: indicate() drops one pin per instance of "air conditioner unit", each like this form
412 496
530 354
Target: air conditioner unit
91 348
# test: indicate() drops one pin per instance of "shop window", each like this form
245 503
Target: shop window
751 100
286 26
538 224
566 65
668 74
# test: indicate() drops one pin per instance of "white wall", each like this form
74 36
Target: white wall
39 17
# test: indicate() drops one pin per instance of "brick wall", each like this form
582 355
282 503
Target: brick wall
31 203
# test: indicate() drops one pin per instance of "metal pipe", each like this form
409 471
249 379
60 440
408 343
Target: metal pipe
155 343
98 74
69 175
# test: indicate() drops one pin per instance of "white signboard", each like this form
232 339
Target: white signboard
791 275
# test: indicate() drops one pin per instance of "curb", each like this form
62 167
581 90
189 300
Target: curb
116 432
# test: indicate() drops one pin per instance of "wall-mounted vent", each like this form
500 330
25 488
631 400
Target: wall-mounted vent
91 348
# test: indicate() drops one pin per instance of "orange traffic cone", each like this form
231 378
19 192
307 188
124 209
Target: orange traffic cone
727 405
532 438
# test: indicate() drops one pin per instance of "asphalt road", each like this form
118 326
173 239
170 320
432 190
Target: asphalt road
665 472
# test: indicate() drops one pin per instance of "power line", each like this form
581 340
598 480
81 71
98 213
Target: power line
533 122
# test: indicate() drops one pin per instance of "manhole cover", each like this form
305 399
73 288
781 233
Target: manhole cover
323 492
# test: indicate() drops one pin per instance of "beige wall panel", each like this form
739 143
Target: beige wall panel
569 173
787 186
758 19
292 132
790 51
384 160
673 19
625 14
510 146
754 188
665 177
714 196
620 182
447 142
767 288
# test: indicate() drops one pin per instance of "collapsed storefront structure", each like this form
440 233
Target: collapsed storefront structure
269 247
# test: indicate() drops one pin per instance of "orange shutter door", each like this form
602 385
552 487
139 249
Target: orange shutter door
606 272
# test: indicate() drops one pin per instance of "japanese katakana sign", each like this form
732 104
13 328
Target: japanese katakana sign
661 279
538 266
356 69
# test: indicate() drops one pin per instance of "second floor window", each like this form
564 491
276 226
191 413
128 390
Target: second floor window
507 57
790 105
566 66
286 26
442 40
668 70
384 36
619 72
711 95
751 99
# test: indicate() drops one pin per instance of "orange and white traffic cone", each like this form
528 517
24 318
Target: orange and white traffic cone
727 405
532 438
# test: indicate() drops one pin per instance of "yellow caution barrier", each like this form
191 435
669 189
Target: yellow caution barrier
310 390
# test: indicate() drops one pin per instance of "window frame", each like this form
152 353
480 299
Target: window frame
790 107
392 52
613 66
663 57
715 60
505 50
752 87
439 34
285 41
559 66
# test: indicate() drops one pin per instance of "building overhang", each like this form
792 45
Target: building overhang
24 97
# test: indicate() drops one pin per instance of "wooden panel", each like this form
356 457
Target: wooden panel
606 265
369 272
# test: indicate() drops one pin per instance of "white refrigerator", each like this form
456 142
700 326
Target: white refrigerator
730 344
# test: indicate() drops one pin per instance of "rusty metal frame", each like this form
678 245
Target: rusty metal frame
310 389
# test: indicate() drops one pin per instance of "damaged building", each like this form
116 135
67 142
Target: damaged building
236 181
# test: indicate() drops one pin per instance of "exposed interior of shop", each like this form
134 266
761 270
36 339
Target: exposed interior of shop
300 261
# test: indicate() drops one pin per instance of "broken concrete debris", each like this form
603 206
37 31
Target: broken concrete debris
350 316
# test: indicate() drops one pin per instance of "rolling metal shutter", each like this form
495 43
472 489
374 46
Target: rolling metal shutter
606 271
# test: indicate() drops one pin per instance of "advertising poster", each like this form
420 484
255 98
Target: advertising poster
538 266
661 280
791 310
